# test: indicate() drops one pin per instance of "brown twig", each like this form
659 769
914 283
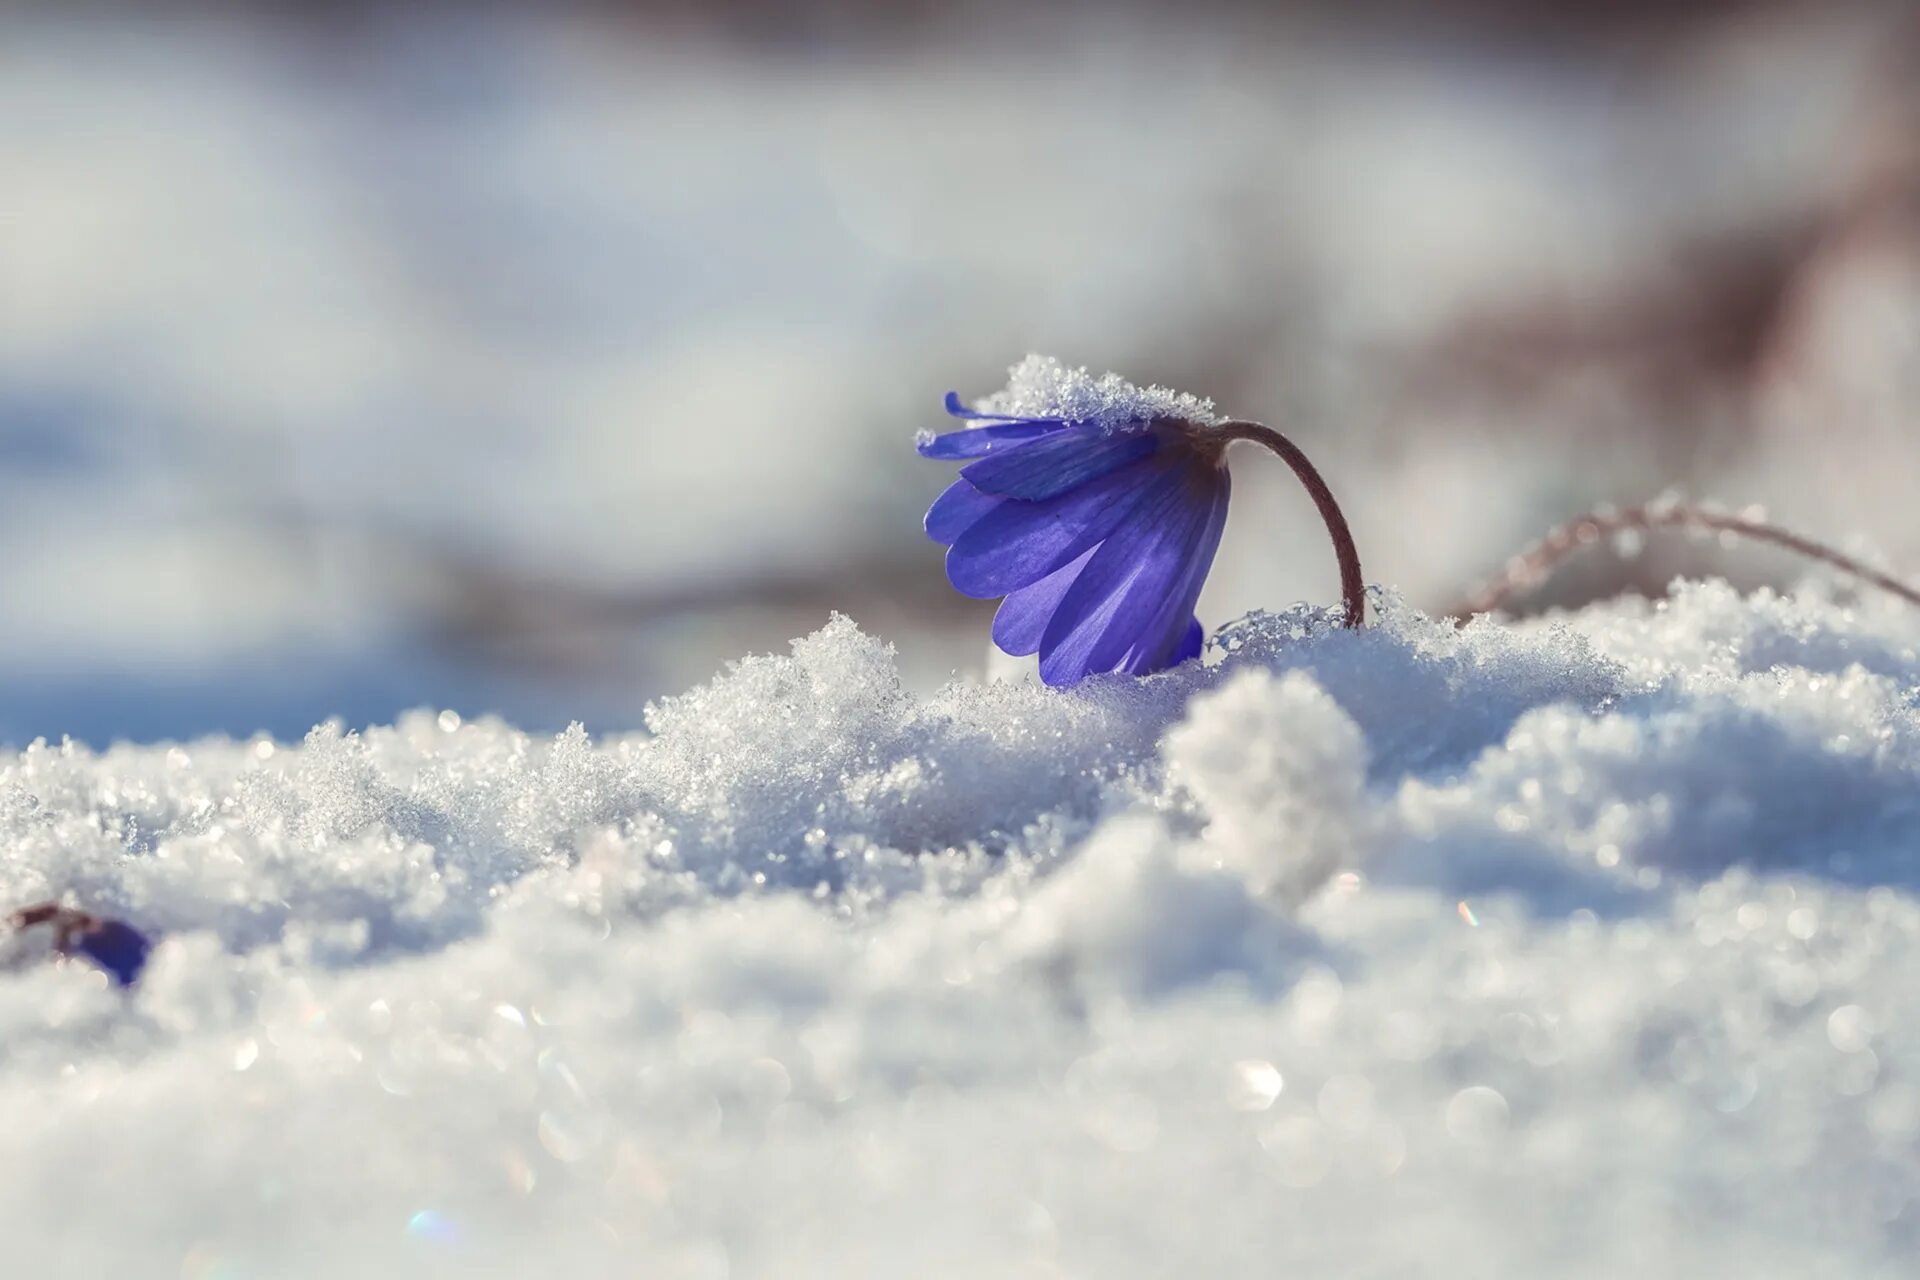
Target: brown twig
1532 566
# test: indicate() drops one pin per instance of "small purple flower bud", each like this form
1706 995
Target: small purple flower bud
114 945
118 948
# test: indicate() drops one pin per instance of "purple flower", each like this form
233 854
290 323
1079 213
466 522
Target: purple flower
114 945
1097 531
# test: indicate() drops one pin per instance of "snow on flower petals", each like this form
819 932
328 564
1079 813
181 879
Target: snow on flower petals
1042 387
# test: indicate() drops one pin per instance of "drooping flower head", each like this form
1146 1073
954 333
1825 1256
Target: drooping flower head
1093 509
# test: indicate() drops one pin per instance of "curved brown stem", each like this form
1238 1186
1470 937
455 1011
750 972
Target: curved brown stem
1353 590
1532 566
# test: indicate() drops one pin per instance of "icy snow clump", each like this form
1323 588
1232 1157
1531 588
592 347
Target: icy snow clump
1042 387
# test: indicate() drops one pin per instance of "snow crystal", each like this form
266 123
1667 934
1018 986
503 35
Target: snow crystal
1042 387
1577 948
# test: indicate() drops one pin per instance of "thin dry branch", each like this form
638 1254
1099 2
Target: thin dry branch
1532 566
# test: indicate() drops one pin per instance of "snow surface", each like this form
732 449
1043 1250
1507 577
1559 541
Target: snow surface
1574 948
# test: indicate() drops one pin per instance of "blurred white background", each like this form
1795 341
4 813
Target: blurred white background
355 359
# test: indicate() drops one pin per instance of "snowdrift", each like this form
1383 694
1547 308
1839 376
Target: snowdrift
1575 948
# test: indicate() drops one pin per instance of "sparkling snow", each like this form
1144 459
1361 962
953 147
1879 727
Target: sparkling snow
1574 948
1042 387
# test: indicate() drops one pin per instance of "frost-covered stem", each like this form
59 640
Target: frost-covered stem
1353 588
1531 566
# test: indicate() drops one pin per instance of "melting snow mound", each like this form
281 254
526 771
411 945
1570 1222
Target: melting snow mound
1581 947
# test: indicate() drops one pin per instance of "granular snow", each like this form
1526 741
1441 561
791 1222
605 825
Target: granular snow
1042 387
1579 947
